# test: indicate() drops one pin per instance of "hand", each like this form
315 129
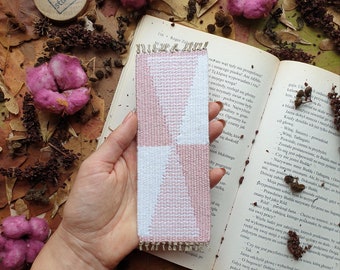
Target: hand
100 217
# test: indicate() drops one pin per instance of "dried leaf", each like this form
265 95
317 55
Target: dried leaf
202 10
24 12
170 7
290 37
4 113
10 103
59 198
160 7
283 19
10 182
82 146
17 125
326 45
72 131
12 69
12 138
264 39
48 124
21 208
335 14
289 4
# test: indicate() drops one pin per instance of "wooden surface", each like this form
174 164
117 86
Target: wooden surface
20 50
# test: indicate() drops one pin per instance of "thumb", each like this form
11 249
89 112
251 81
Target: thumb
119 139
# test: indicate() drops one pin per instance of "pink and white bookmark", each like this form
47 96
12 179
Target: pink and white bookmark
173 193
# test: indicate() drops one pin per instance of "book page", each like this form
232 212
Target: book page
303 143
240 76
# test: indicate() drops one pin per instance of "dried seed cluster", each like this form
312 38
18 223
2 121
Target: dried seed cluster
314 13
303 96
292 181
334 98
42 26
223 21
191 10
271 24
293 244
291 53
49 172
76 36
283 52
30 120
64 39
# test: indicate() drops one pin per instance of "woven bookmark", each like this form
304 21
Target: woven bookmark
173 194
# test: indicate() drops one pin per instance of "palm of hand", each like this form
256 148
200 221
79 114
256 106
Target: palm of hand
100 217
104 203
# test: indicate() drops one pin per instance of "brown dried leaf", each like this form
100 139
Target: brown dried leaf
10 182
72 131
10 103
109 23
14 74
58 198
12 138
21 208
7 162
48 124
82 146
289 5
264 39
283 19
326 45
25 12
17 125
289 37
202 10
335 14
170 7
4 113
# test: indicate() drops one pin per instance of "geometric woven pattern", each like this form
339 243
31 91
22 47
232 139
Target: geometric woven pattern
173 198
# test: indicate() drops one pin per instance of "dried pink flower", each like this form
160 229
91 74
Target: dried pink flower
59 86
251 9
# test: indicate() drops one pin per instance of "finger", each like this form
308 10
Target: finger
118 140
216 175
214 109
216 128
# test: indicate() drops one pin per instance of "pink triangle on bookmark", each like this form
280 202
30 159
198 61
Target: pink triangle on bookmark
160 134
172 89
168 91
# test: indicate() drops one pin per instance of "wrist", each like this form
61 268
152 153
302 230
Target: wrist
63 252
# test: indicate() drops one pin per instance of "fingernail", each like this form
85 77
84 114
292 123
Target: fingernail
222 121
220 104
224 170
127 117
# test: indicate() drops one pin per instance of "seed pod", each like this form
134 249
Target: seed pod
220 18
300 93
296 187
211 28
298 102
308 91
226 30
99 74
289 179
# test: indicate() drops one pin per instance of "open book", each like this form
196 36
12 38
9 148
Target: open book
266 139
